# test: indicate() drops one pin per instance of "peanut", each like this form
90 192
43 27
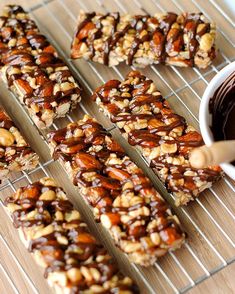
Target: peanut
200 27
86 273
129 246
155 238
62 240
48 182
73 215
95 273
74 275
206 42
49 195
6 138
168 148
97 289
42 232
109 219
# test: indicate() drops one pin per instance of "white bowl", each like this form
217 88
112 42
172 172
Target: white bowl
205 118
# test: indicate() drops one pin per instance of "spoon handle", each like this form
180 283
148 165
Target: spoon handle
217 153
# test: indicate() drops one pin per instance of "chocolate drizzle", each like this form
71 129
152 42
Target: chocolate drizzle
166 36
149 123
38 86
102 183
69 245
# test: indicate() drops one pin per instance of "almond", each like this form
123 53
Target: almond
41 78
169 235
105 90
72 149
85 238
157 43
87 161
155 123
83 33
21 41
30 192
23 87
137 231
45 58
46 90
117 174
49 49
18 57
107 183
6 32
172 33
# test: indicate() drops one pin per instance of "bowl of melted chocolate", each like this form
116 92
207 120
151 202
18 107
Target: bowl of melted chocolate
217 111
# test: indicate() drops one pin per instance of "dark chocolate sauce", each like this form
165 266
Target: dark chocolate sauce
222 108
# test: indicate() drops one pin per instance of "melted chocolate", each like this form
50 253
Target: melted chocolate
222 108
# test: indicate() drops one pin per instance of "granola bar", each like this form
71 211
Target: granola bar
122 197
182 40
60 242
163 137
31 68
15 153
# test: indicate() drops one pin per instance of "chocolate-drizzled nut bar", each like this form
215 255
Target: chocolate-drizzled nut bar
162 136
59 240
123 199
32 69
181 40
15 153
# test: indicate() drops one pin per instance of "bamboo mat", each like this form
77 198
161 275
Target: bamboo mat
209 252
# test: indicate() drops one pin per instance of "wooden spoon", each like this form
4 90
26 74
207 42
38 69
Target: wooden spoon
217 153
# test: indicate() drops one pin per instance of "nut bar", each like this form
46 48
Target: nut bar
122 198
31 68
60 242
163 137
15 153
182 40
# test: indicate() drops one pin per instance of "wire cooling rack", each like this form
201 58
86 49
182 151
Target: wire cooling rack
209 221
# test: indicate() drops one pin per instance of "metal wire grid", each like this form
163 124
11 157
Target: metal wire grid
42 166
